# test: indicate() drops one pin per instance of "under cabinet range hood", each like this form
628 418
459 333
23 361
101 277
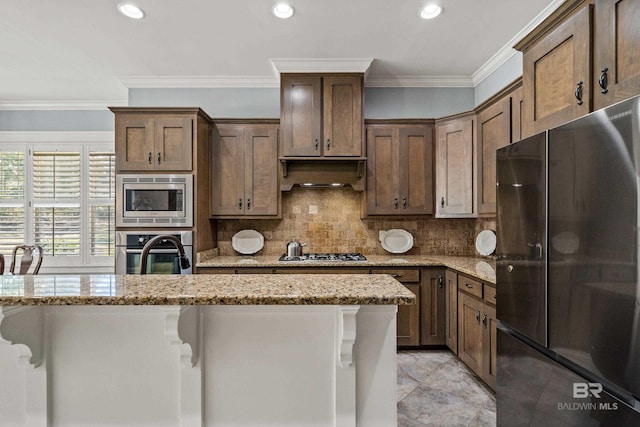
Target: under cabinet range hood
311 173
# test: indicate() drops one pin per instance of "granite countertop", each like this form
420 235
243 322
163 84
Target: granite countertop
480 268
204 289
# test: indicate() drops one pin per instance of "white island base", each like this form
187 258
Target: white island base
198 365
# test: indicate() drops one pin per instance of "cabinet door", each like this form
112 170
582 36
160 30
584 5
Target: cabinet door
416 170
227 194
555 70
454 166
134 143
470 331
382 171
261 171
173 143
408 320
494 131
432 307
489 345
517 110
617 50
343 119
451 302
301 116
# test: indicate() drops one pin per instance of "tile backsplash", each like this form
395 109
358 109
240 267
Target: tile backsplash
328 220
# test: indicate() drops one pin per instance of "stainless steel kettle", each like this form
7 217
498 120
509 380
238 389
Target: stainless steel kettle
294 248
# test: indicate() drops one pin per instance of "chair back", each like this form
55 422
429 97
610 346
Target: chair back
27 259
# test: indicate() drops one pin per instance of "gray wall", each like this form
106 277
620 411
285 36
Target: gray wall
380 103
507 73
56 120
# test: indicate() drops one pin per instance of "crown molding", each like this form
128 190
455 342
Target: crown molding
56 136
321 65
198 81
507 51
419 81
62 105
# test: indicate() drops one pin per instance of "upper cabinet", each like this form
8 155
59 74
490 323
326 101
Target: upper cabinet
585 56
455 146
399 168
155 139
244 168
322 115
617 54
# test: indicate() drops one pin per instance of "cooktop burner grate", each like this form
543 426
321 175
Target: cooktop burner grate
325 257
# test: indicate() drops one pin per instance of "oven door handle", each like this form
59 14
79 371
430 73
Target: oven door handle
153 251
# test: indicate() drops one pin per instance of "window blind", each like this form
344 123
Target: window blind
101 203
12 200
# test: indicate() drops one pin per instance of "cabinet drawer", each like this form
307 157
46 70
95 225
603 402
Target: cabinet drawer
337 270
404 276
215 270
470 286
489 294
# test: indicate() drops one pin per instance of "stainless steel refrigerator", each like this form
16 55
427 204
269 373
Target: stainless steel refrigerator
568 289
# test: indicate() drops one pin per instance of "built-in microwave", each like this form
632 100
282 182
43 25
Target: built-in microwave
154 200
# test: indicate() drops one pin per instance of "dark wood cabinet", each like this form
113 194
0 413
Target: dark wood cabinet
455 146
451 308
245 170
148 140
477 328
494 131
399 169
557 73
617 51
322 115
432 305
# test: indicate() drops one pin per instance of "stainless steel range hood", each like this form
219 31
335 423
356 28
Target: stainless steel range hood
322 173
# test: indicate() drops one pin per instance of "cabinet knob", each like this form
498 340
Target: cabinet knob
578 92
149 157
328 144
395 203
509 268
603 81
239 203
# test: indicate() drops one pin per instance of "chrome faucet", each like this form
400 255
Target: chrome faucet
184 261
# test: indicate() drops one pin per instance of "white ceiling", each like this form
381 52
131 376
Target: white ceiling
79 52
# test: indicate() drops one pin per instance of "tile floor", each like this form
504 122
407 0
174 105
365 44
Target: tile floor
436 389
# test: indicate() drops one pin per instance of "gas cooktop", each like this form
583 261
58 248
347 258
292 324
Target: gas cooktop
325 257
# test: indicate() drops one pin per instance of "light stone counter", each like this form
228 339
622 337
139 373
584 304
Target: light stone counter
254 289
480 268
199 350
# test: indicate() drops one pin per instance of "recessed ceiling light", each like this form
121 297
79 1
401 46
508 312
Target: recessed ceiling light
282 10
430 11
131 10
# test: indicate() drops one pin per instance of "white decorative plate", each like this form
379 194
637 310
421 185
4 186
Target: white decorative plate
247 241
486 242
396 241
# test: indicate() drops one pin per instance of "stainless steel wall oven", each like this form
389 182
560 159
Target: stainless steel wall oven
163 257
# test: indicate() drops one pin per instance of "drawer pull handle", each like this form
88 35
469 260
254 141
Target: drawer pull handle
395 203
159 158
248 203
239 203
484 320
478 316
316 144
396 275
149 157
328 144
468 285
603 81
578 92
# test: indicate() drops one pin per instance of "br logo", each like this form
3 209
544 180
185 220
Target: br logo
584 390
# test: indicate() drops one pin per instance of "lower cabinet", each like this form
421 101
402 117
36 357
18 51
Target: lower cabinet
477 329
432 304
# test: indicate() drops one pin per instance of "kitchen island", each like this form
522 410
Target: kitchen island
200 350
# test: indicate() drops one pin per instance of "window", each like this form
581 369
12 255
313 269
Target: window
60 196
